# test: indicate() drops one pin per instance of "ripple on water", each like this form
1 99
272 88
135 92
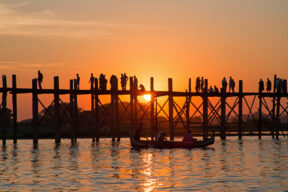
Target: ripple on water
247 165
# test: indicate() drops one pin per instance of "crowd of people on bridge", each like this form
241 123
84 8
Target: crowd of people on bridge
280 85
200 85
123 81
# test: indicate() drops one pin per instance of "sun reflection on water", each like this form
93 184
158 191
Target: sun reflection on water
151 181
111 167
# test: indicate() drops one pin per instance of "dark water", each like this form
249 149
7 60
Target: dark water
247 165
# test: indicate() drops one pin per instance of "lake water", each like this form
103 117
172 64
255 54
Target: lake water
232 165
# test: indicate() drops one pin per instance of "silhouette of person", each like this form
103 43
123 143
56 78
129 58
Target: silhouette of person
202 84
197 87
103 82
261 85
113 79
141 87
211 89
124 80
231 84
268 85
188 137
277 84
216 90
224 84
77 81
92 79
40 79
135 80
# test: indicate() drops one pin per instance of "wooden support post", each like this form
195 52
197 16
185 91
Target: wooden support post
152 118
72 119
278 113
274 107
35 111
223 114
260 116
117 110
240 110
97 123
132 105
205 111
92 95
135 96
76 115
113 109
56 110
4 109
171 103
188 100
14 103
156 116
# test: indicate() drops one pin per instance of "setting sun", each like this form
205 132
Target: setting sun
147 97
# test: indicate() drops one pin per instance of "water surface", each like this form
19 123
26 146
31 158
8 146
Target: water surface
232 165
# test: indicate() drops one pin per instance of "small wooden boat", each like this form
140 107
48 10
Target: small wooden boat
170 144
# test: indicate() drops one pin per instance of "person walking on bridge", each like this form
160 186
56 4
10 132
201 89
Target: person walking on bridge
92 79
40 79
224 84
231 84
124 80
268 85
103 82
261 85
77 81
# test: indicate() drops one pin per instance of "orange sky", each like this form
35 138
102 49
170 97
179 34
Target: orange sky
162 38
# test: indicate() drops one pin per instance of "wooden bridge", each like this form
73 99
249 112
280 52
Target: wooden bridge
214 111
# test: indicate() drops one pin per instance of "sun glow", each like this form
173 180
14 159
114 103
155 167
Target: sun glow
147 97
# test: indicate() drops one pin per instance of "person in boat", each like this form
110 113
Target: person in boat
188 137
138 131
161 136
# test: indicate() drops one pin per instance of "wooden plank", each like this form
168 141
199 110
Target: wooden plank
14 103
240 110
117 111
205 111
76 115
278 115
71 107
92 95
35 112
171 103
132 104
152 118
223 115
56 110
113 109
260 116
4 109
274 107
188 100
97 123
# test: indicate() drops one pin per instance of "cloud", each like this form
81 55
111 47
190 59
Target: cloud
21 65
47 23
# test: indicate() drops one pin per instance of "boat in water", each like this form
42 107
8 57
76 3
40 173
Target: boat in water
170 144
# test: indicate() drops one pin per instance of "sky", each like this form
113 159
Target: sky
245 39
